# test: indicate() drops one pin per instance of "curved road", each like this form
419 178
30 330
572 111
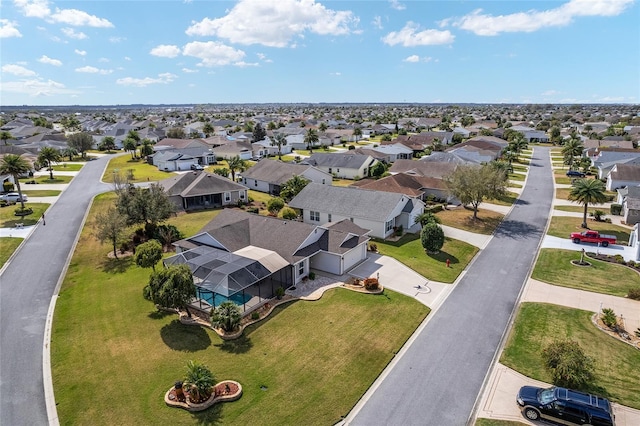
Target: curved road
26 286
437 380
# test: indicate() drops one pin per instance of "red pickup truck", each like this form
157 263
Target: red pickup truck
593 237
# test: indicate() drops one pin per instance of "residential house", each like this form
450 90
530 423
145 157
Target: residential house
622 175
245 257
387 153
242 149
435 169
269 176
343 166
421 187
381 212
201 190
481 149
629 199
530 134
605 159
172 161
265 148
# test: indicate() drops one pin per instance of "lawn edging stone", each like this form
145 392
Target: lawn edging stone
213 399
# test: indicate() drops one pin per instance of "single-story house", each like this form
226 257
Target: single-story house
421 187
381 212
530 134
245 257
478 150
265 148
622 175
435 169
344 166
629 199
269 175
201 190
235 148
171 161
606 159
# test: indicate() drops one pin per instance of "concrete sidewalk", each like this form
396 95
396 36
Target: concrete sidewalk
478 240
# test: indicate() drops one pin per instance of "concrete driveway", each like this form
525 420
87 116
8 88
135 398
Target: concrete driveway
629 253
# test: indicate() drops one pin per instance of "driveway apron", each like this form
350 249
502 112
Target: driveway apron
26 286
439 376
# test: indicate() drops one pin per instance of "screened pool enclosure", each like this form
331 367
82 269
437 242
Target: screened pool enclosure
245 280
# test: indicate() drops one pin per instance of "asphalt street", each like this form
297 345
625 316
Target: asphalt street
26 287
437 380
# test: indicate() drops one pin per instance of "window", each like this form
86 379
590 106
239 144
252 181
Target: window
242 195
227 196
388 226
301 268
323 181
329 217
314 216
255 182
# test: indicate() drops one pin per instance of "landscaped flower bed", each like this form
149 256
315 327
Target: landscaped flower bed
615 259
225 391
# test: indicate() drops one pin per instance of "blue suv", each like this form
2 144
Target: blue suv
565 406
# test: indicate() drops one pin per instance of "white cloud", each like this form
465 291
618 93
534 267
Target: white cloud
33 8
71 33
416 58
243 64
93 70
79 18
17 70
47 60
395 4
126 58
274 23
163 78
8 29
116 39
80 52
165 51
189 70
336 74
104 60
264 58
411 36
533 20
212 53
377 22
550 93
38 88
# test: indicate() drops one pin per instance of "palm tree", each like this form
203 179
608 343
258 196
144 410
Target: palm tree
236 164
311 138
199 380
4 135
226 316
279 140
587 191
69 152
129 144
572 148
357 132
49 155
16 166
146 148
109 143
427 217
292 187
323 127
517 142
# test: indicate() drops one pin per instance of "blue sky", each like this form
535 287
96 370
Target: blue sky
124 52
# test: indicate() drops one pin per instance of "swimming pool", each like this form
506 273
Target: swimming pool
215 299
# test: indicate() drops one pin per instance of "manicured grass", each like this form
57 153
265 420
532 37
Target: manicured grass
538 324
462 218
260 197
580 209
514 185
563 193
130 352
142 171
409 251
342 182
45 179
563 180
494 422
7 246
563 226
8 219
517 176
506 200
40 192
554 267
517 168
66 167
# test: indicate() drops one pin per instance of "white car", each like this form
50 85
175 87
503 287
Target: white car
13 197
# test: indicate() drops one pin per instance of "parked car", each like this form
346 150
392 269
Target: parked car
565 406
196 167
13 197
591 236
575 173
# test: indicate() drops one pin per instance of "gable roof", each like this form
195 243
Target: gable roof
277 172
192 184
346 161
348 201
403 183
435 169
182 143
627 172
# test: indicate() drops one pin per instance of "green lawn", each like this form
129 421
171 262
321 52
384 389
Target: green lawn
563 226
538 324
517 176
514 185
342 182
45 179
109 345
7 246
142 171
517 168
8 219
554 267
65 167
462 218
580 209
39 192
410 252
508 199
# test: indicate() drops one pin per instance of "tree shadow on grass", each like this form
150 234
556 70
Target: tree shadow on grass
240 345
160 314
442 257
116 266
210 416
186 338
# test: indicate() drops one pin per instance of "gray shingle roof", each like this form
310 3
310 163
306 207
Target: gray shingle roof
338 160
276 172
348 201
192 184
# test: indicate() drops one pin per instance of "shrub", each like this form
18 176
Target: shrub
226 316
351 147
7 186
371 284
288 213
609 318
312 275
279 292
23 212
434 209
615 209
432 237
255 315
598 215
634 294
568 364
255 210
399 230
275 205
373 247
